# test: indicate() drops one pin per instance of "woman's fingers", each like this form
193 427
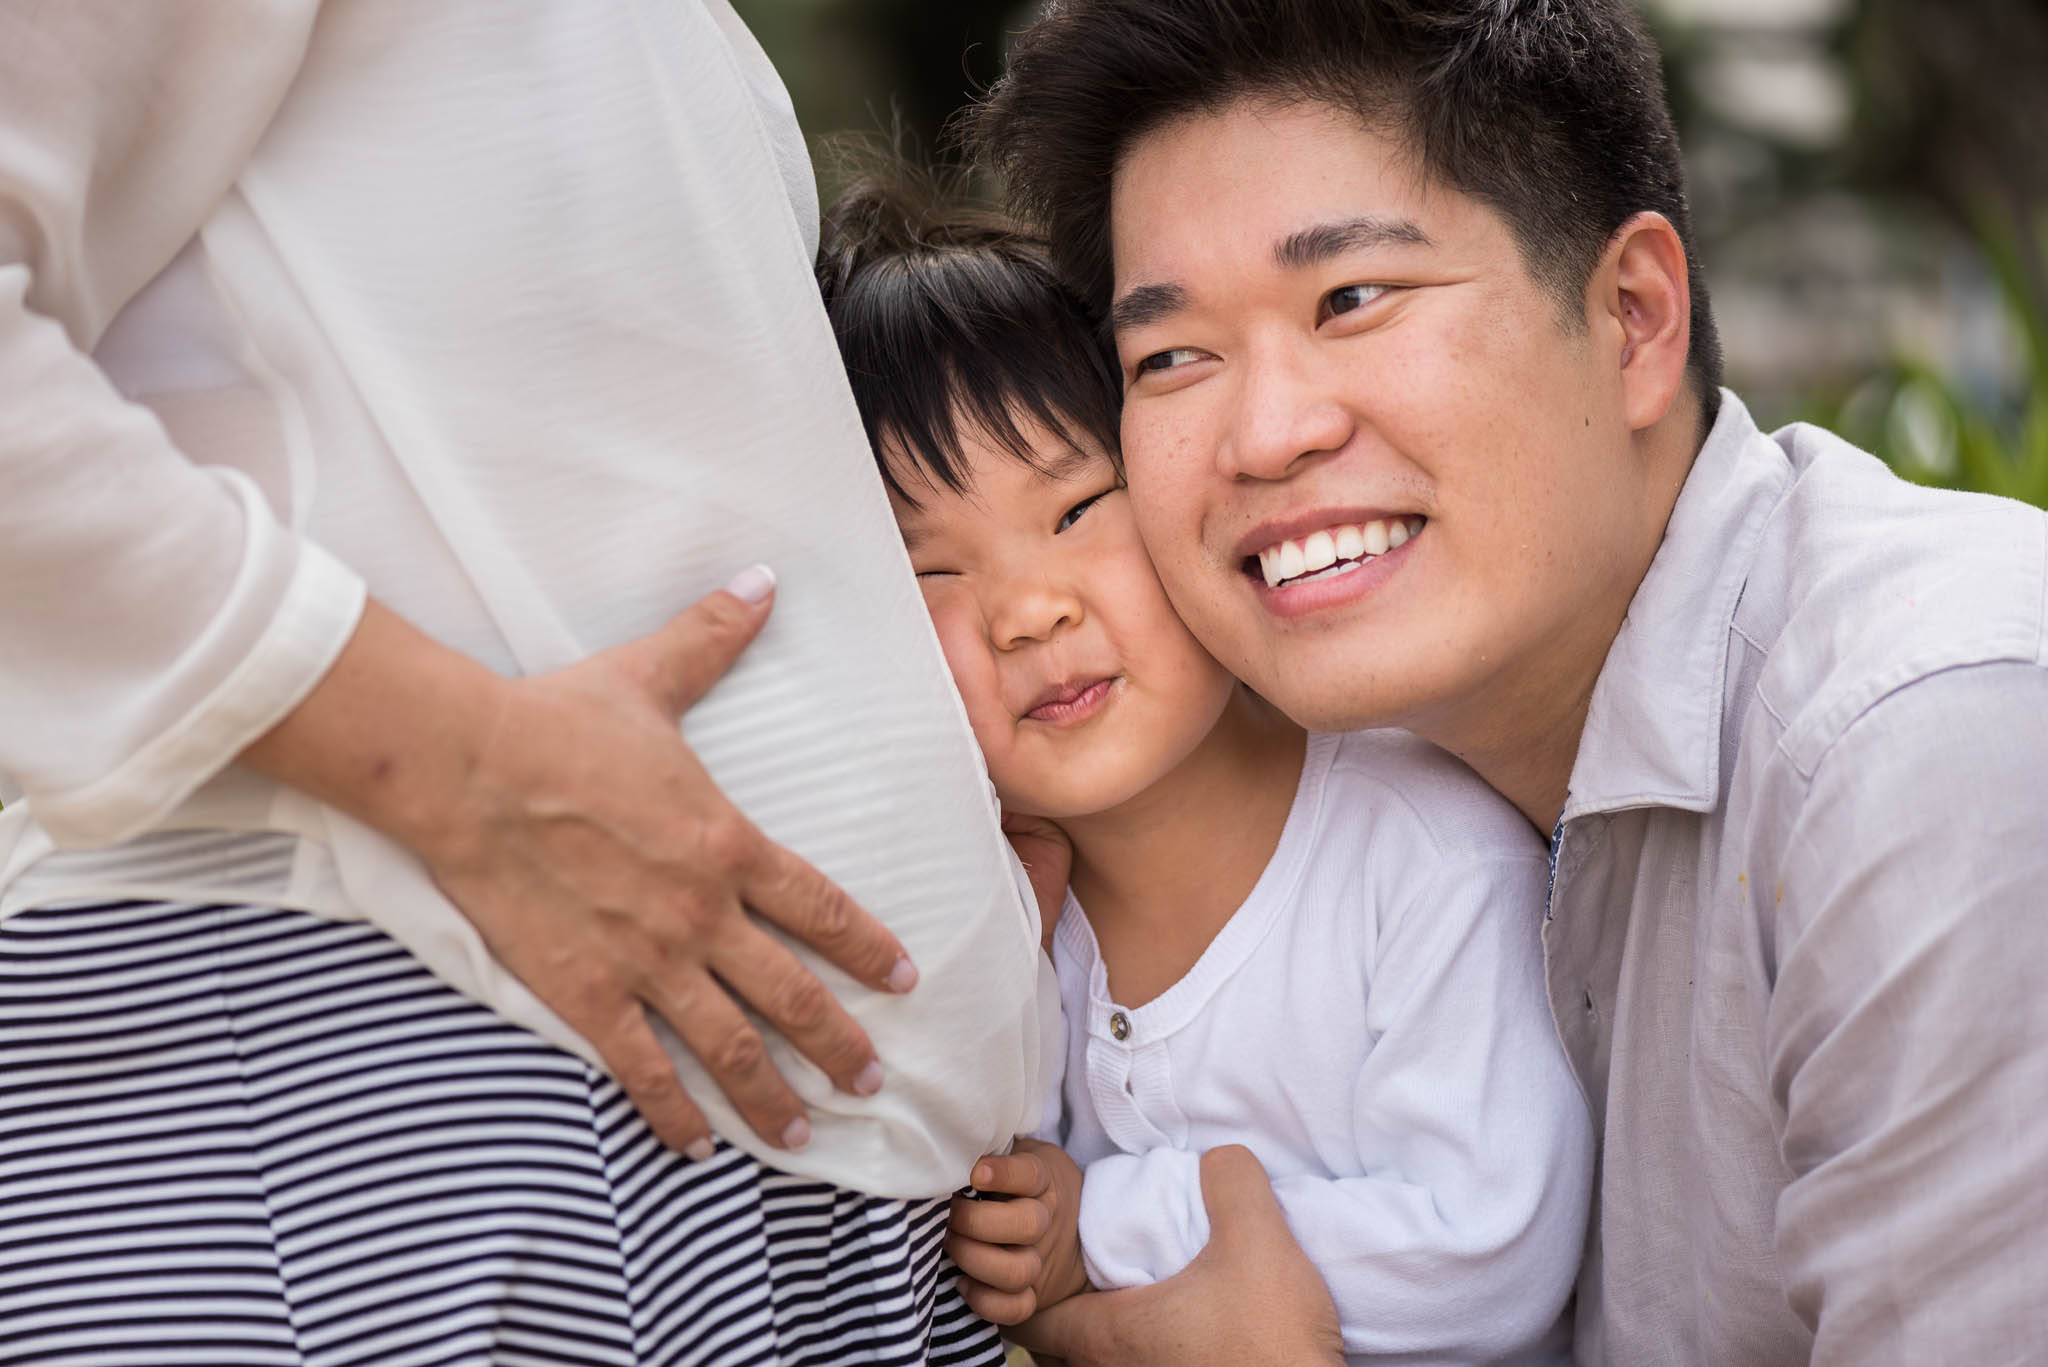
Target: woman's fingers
674 667
712 1027
785 889
677 663
769 978
644 1072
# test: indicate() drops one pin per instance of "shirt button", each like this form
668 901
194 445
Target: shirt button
1119 1025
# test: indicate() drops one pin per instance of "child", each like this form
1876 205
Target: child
1324 947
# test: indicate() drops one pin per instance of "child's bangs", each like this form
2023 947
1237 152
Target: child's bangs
957 332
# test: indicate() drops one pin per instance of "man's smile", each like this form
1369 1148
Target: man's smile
1331 551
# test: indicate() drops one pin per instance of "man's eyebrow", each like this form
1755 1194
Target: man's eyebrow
1144 304
1313 246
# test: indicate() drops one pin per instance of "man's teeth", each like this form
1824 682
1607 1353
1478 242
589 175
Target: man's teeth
1321 550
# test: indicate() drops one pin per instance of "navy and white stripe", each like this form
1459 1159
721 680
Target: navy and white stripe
237 1135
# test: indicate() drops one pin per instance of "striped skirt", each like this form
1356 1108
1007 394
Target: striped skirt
238 1135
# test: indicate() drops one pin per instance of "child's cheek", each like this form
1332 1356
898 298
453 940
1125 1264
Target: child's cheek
973 667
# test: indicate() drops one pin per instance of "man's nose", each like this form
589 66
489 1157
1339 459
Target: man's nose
1287 410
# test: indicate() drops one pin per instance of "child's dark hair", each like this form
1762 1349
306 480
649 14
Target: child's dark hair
1551 112
948 317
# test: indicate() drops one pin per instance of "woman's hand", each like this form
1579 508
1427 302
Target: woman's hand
1021 1251
568 819
1250 1298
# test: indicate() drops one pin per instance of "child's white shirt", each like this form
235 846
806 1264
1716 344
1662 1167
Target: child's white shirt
1373 1023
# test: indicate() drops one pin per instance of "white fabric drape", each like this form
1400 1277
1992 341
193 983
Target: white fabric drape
502 313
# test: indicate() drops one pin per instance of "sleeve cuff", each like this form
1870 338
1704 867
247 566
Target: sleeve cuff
1142 1217
314 618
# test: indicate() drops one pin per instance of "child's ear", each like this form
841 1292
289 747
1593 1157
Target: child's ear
1644 289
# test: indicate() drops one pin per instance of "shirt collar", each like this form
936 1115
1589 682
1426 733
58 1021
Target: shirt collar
1653 731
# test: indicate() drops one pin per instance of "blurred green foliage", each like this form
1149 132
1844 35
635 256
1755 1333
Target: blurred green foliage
1934 430
1946 152
1952 113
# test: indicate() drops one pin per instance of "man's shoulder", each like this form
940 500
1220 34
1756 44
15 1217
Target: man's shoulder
1392 785
1866 584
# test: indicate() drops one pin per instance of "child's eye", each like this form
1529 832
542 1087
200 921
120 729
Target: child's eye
1073 514
1166 360
1350 297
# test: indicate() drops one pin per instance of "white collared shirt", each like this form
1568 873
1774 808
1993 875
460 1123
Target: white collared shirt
1798 948
504 313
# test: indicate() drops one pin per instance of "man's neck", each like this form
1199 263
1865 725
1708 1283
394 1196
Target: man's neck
1524 739
1522 734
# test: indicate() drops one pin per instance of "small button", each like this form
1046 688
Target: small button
1119 1025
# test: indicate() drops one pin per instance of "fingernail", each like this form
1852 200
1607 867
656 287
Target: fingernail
870 1080
797 1134
752 584
699 1150
903 976
984 1175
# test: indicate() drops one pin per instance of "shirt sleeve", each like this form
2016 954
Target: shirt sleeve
1907 1036
1462 1237
155 615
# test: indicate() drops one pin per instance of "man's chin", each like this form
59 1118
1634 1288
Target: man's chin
1331 706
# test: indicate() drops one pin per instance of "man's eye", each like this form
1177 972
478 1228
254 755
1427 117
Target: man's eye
1073 514
934 574
1351 297
1166 360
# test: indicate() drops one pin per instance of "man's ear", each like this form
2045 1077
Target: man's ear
1643 286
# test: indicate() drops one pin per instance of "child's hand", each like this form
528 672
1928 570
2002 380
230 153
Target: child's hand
1048 857
1022 1254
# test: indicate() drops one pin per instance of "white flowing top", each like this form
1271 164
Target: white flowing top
502 313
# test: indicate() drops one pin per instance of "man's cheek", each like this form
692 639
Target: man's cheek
1164 505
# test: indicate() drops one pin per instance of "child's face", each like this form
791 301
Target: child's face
1081 684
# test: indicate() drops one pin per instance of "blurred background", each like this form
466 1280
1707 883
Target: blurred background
1869 181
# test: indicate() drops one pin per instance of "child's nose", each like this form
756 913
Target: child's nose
1033 610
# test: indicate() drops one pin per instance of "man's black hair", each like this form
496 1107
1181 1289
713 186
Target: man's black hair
1551 112
950 319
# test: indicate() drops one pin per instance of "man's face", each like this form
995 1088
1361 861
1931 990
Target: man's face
1380 476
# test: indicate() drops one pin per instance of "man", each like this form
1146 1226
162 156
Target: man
1784 715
